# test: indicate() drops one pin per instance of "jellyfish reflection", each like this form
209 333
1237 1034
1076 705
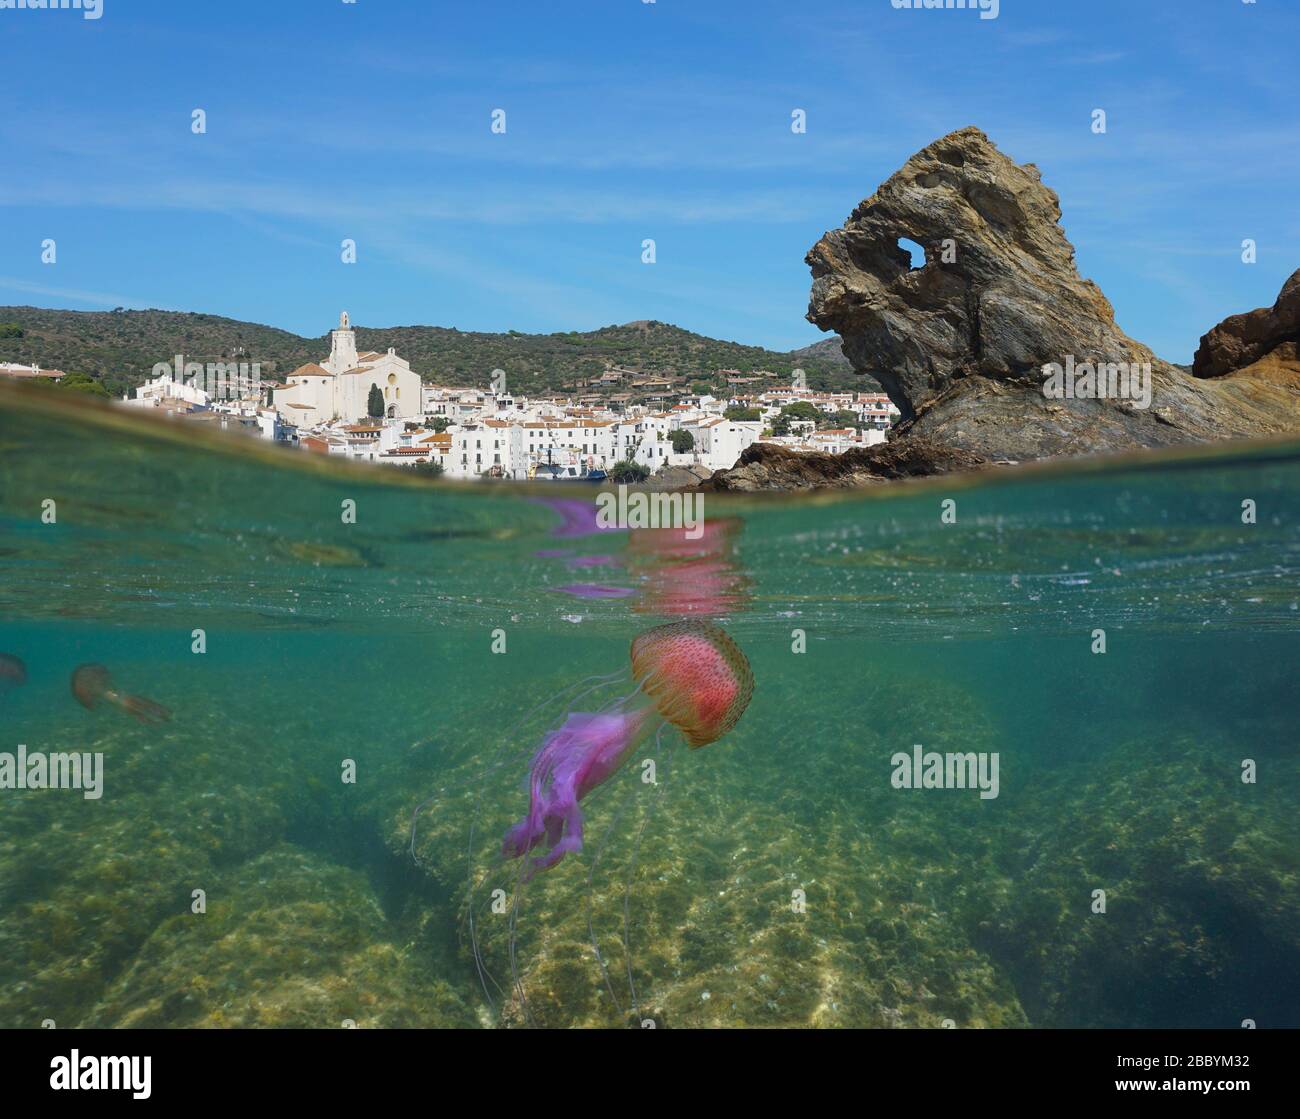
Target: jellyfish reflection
685 572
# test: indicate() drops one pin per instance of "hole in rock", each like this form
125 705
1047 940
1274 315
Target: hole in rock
918 253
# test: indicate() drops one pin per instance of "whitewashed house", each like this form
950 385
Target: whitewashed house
720 441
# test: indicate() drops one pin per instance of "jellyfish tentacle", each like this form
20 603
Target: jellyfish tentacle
141 709
631 870
570 818
572 762
540 822
591 684
597 854
480 966
618 703
521 880
502 755
498 761
575 693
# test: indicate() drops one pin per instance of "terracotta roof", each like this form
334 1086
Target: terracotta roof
311 369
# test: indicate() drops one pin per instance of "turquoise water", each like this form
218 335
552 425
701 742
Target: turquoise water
774 878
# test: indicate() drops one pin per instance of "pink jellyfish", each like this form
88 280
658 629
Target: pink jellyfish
689 674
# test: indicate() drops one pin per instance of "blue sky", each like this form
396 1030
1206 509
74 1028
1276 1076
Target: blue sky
625 120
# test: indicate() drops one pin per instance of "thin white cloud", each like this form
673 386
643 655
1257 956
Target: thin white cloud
487 207
73 295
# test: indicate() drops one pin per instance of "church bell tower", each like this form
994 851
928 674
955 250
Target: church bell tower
343 347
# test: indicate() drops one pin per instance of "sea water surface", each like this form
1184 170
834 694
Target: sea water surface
1122 636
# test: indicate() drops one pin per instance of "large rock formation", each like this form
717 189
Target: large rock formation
960 340
1261 343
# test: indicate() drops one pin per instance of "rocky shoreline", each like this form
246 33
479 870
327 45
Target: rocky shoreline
960 342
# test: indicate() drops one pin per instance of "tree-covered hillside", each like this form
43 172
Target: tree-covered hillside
120 348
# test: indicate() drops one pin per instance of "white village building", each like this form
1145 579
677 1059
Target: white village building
719 442
339 387
167 392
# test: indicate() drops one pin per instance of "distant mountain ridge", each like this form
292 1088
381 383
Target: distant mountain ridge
121 347
828 350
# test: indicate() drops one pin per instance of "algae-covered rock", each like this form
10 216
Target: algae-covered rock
287 940
84 882
1201 925
740 888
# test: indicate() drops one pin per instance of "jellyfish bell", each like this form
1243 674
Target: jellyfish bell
90 683
698 677
13 673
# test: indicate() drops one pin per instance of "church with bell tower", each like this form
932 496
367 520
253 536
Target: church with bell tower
338 387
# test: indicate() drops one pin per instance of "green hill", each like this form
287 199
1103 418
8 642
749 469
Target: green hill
120 348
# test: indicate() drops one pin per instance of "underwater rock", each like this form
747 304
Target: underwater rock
1259 343
1201 926
83 883
288 941
681 908
960 340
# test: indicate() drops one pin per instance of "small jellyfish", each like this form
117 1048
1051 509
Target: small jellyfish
91 683
690 675
13 673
